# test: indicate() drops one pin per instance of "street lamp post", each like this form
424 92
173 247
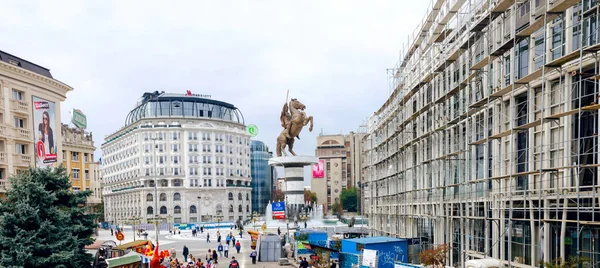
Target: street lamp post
254 217
133 221
155 221
219 218
304 216
155 185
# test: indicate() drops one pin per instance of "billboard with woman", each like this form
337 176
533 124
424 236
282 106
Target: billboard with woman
44 124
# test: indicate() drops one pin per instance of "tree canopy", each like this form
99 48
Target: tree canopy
310 196
349 199
43 223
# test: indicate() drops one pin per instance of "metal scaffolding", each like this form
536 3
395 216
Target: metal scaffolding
489 141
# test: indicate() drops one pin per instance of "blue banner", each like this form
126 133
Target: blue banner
278 210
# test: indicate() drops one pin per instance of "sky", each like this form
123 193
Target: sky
331 55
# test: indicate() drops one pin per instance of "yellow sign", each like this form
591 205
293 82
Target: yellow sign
264 227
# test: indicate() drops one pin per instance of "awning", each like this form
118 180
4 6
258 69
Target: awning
133 244
308 245
130 258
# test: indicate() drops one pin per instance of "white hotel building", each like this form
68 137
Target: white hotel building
201 164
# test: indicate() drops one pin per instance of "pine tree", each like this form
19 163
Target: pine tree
43 223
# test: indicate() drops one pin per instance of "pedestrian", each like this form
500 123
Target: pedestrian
241 233
226 250
218 237
173 253
253 256
207 237
214 255
185 253
220 250
279 231
234 263
231 227
232 240
227 239
208 255
112 232
305 225
238 246
202 229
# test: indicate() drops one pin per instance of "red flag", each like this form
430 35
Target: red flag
188 93
155 262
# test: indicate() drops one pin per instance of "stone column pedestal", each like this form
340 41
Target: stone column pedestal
294 181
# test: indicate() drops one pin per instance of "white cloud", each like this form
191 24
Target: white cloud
332 55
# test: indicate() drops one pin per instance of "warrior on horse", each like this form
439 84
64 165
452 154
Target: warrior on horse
293 119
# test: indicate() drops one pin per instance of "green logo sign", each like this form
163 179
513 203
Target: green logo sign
252 130
78 119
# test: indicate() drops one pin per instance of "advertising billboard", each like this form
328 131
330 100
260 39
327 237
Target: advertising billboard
44 124
318 172
278 210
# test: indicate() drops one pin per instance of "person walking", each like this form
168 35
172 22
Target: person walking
227 239
220 250
233 240
112 232
173 253
238 246
234 263
214 255
208 255
253 256
218 237
185 253
207 237
226 250
241 233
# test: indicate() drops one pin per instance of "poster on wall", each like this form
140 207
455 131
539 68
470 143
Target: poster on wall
318 172
44 114
278 210
369 258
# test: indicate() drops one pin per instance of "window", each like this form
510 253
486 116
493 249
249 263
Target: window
149 211
163 197
163 210
230 208
19 122
239 196
240 208
177 197
149 197
85 157
177 210
18 95
74 156
75 173
247 208
247 196
230 196
87 174
193 209
21 148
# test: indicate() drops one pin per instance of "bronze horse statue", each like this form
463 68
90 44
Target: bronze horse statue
293 119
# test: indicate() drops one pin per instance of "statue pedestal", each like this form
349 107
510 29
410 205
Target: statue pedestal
294 181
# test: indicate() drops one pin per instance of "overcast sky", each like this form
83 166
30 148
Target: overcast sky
331 55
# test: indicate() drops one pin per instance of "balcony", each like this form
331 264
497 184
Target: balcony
19 106
22 160
22 134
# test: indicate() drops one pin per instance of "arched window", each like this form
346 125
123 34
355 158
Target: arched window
163 197
240 208
177 197
247 196
219 209
177 210
239 196
230 196
247 208
230 208
149 211
193 209
163 210
149 197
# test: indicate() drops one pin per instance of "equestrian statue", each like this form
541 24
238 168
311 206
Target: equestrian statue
293 119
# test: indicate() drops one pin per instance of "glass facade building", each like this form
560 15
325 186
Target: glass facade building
261 175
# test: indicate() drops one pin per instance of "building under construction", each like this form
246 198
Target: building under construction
489 140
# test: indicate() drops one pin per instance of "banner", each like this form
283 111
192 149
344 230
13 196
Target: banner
278 210
318 172
44 124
